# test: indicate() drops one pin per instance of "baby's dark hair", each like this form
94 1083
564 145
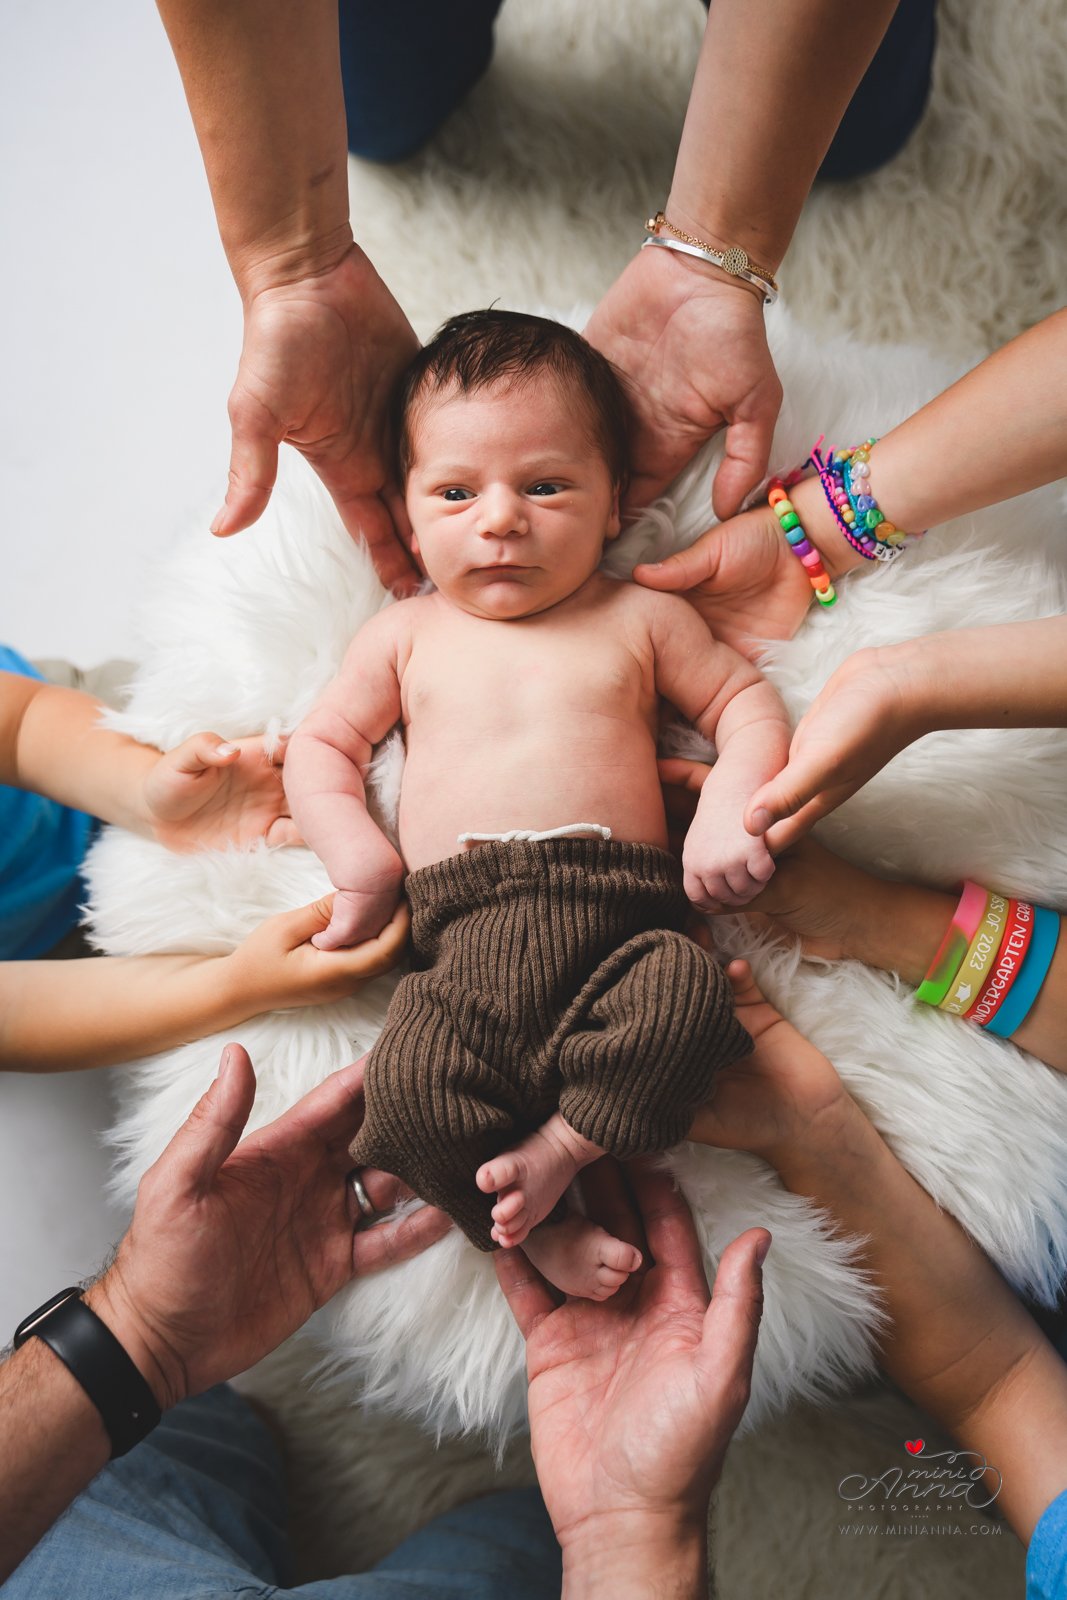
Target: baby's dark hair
479 348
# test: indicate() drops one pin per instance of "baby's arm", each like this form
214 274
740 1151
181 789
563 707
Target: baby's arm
731 704
324 766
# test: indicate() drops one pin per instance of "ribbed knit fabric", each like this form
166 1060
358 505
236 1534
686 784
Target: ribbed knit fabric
549 975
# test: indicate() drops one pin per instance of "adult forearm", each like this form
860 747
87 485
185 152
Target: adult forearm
63 1016
771 86
641 1558
958 1341
54 1445
263 82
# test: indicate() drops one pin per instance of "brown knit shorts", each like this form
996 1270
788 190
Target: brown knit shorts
550 975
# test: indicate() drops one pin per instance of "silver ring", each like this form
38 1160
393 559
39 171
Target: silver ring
369 1212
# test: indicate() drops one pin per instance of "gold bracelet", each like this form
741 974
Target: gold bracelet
735 261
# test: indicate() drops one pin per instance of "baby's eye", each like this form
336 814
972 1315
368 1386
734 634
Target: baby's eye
544 488
455 493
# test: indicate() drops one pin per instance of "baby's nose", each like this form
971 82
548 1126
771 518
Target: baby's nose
503 512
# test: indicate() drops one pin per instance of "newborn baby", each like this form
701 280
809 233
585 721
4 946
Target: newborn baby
556 1010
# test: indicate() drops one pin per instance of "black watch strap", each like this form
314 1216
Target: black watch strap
91 1353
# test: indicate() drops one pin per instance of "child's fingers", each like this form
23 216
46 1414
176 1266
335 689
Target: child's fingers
746 990
203 750
679 772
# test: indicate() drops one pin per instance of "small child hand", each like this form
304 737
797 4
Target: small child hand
358 915
278 967
208 793
724 866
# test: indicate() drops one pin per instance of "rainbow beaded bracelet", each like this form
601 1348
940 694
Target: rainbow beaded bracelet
799 543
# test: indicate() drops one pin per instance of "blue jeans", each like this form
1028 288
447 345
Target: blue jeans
406 64
197 1512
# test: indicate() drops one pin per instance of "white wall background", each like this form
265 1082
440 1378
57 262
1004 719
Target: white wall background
119 337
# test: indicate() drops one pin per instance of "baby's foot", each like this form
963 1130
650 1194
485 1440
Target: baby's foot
532 1178
581 1258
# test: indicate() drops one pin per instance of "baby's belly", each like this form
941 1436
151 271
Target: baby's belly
447 793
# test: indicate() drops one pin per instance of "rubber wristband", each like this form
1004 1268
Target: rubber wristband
1013 948
1024 991
95 1358
972 907
980 957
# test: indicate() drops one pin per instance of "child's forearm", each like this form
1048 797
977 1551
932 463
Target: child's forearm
63 1016
959 1343
1008 675
898 928
1000 431
51 742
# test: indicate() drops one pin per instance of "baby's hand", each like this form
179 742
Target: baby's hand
359 914
723 864
207 794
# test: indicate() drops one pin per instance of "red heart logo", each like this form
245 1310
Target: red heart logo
913 1446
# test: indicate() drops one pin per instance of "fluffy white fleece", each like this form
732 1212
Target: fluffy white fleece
243 634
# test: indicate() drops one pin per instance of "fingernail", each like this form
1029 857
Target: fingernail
216 521
226 750
762 1251
761 820
227 1057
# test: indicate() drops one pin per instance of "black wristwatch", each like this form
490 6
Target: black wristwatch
91 1353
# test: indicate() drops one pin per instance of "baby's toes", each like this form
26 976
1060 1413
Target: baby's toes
617 1256
510 1209
606 1282
497 1174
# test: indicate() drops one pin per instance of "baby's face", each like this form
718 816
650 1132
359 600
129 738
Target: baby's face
510 501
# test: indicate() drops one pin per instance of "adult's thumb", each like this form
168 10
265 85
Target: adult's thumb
685 569
731 1323
253 470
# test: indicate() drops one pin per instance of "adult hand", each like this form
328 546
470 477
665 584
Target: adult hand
277 966
742 578
634 1400
233 1245
692 348
319 363
208 793
861 718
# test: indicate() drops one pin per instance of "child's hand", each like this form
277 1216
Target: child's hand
723 864
743 579
359 914
866 712
209 793
278 967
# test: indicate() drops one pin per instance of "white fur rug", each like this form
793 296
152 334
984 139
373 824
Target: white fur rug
534 192
245 633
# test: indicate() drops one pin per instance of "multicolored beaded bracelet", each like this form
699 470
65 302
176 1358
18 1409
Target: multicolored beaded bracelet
799 543
863 525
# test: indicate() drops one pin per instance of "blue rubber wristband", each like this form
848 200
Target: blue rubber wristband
1027 986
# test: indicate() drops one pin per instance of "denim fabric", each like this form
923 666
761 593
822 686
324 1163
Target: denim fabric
197 1512
406 64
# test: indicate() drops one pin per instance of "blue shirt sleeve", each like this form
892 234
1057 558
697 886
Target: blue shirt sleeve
1046 1559
42 847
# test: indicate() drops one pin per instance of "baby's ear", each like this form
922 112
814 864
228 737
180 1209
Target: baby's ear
614 523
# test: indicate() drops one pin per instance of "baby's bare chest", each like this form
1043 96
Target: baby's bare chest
508 678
